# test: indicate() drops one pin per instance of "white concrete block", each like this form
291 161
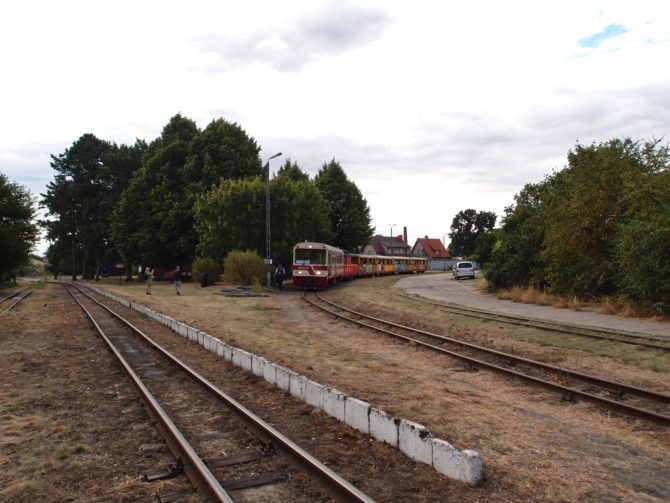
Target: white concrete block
314 394
192 333
257 365
242 358
207 342
356 414
201 338
228 353
270 373
283 379
219 348
414 440
465 466
297 386
383 427
333 403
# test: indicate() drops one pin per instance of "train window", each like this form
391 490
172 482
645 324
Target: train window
305 256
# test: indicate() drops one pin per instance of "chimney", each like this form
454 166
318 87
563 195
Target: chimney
404 234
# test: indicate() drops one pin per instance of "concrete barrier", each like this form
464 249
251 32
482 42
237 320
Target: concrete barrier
357 414
415 440
333 403
314 394
383 427
447 460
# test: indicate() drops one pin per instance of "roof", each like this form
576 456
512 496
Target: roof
432 248
389 246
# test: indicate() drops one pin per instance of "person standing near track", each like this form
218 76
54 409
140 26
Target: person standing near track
149 273
176 277
280 272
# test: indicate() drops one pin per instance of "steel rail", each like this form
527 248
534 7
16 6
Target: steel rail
19 296
336 486
636 411
593 332
195 468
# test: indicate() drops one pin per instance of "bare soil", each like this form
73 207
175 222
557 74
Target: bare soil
534 445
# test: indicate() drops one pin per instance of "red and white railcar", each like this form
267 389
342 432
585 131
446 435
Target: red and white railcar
317 265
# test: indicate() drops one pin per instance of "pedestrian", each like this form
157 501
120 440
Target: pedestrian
149 273
279 275
176 276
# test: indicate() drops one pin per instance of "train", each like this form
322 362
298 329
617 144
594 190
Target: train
319 265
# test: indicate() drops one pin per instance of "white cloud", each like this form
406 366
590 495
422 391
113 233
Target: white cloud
431 107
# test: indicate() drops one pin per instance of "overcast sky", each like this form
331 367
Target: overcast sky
431 107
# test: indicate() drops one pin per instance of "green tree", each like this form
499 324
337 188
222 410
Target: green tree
18 231
516 256
291 170
177 167
642 243
348 210
232 217
73 200
583 209
466 226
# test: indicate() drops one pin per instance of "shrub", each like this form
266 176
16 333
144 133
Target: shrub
207 266
244 268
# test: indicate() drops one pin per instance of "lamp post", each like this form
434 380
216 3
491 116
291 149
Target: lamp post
391 226
268 260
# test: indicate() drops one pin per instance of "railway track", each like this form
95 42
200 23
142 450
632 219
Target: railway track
627 399
619 336
9 300
180 401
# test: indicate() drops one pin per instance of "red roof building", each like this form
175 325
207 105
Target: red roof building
433 249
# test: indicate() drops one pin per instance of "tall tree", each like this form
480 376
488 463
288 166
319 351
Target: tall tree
466 226
584 207
178 166
642 243
73 200
18 231
348 210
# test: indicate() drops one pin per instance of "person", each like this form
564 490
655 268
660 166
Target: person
149 273
176 276
279 275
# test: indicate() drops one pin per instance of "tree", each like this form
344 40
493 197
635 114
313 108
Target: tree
583 210
641 245
292 171
73 200
516 256
232 217
177 167
466 226
348 211
18 231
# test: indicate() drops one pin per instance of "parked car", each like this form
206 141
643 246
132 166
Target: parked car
463 270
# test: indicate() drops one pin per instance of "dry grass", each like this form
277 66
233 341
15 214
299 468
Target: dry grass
619 306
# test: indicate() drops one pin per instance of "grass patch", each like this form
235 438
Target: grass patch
619 306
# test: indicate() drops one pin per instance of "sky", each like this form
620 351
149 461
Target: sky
431 107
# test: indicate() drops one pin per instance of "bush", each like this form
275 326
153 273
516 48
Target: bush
244 268
207 266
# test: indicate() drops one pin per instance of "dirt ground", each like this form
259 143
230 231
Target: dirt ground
534 446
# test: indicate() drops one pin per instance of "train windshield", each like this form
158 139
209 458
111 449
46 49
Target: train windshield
310 257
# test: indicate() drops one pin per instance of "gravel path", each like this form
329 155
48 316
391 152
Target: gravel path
443 287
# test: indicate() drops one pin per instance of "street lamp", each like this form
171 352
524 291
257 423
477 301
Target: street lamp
268 260
391 226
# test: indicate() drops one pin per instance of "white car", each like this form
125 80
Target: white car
463 270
